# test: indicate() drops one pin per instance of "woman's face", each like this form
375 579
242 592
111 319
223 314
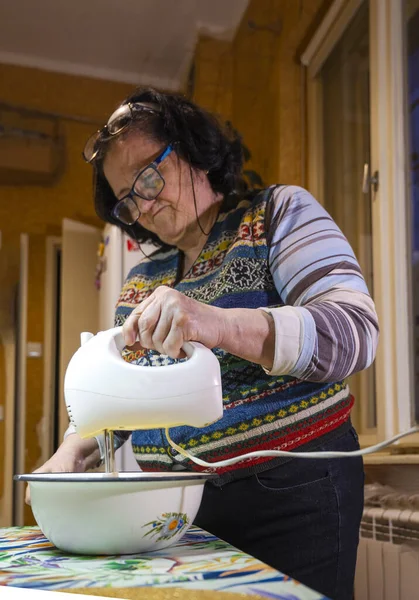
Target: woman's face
172 214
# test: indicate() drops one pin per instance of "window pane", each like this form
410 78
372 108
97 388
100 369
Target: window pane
346 140
412 13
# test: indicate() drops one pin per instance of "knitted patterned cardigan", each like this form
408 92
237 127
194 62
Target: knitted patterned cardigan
261 411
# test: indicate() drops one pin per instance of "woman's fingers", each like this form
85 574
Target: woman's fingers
130 327
158 328
147 321
173 342
161 331
161 322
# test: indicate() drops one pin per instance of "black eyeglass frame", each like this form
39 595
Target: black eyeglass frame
128 199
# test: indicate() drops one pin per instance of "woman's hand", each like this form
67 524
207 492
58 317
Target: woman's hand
75 455
167 319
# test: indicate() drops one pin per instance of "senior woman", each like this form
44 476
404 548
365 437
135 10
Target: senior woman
270 284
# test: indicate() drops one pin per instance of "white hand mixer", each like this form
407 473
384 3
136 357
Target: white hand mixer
104 393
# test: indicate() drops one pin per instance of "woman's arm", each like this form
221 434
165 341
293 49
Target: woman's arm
328 328
75 455
247 333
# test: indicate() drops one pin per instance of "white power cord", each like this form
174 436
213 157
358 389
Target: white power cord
276 453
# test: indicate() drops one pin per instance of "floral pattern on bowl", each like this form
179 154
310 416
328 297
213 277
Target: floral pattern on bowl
167 526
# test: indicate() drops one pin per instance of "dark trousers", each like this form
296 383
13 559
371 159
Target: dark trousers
302 517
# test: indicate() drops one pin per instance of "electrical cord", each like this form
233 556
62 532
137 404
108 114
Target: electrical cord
276 453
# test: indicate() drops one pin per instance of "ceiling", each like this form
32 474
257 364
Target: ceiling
147 42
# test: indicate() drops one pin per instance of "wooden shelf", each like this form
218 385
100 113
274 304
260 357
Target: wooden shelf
383 458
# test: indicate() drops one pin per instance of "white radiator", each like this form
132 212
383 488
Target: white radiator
388 555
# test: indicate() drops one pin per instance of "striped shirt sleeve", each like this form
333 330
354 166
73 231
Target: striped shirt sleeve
328 328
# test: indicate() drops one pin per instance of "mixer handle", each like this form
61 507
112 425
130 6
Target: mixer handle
189 348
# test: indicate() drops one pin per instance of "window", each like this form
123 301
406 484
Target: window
359 168
412 57
346 155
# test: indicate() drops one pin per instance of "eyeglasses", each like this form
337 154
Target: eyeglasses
117 122
148 184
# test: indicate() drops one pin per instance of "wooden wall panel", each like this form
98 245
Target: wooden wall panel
256 82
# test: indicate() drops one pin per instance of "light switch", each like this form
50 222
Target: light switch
34 349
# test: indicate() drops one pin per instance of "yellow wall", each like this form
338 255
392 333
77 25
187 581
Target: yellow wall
256 83
39 210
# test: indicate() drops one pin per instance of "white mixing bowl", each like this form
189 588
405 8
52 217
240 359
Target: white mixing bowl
125 513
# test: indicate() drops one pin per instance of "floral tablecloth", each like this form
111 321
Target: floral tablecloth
199 561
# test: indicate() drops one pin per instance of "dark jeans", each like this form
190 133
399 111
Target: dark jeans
302 517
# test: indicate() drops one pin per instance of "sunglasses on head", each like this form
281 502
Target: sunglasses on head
117 122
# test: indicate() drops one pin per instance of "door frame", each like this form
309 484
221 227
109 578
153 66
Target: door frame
78 313
51 307
19 429
392 277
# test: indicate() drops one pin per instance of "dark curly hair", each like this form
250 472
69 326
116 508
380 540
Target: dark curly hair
199 138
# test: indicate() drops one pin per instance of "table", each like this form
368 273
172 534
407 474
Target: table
199 561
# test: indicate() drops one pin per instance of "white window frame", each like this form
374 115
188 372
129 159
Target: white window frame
391 237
